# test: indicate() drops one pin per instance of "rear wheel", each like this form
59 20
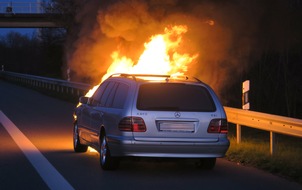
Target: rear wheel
106 160
77 146
206 163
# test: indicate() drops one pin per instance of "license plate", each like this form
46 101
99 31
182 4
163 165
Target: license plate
177 127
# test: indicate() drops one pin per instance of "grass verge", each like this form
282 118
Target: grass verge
286 162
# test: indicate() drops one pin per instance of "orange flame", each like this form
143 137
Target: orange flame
159 57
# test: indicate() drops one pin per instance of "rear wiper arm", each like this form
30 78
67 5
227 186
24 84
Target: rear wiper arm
163 108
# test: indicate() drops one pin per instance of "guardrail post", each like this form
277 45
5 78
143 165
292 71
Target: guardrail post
238 133
272 143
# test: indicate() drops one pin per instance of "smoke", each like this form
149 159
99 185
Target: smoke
223 33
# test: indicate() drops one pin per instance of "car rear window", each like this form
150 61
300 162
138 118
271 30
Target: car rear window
174 97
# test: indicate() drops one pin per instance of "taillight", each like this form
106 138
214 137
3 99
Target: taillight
134 124
218 126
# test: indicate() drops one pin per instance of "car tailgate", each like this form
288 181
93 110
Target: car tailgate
176 127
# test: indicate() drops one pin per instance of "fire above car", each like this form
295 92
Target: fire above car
162 55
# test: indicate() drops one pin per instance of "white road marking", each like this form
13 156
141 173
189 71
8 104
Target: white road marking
49 174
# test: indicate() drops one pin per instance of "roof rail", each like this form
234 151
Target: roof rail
185 77
197 80
134 76
167 77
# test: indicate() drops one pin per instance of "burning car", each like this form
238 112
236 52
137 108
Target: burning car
161 116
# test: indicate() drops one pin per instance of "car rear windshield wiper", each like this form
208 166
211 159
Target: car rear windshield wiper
162 108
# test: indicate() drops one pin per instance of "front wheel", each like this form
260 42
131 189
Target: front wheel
106 160
77 146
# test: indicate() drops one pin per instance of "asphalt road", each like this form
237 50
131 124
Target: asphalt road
36 153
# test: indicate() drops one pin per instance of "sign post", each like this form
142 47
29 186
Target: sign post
245 95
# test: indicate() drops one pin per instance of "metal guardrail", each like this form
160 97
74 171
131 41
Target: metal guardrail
268 122
64 87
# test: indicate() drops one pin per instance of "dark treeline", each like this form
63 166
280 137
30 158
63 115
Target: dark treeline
275 63
275 84
40 54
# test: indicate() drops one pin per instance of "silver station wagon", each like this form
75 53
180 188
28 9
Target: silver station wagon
159 116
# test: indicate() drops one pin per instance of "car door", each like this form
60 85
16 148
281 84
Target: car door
115 109
97 109
88 112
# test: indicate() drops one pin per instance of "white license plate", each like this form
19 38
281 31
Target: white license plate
177 127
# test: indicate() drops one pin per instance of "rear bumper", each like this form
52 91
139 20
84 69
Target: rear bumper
130 147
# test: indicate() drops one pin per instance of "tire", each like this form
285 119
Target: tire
206 163
106 160
77 146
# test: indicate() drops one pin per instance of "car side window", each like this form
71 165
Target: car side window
120 96
97 95
105 95
111 96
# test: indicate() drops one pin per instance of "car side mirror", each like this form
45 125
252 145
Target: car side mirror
83 99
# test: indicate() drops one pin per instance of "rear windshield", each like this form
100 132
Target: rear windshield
174 97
